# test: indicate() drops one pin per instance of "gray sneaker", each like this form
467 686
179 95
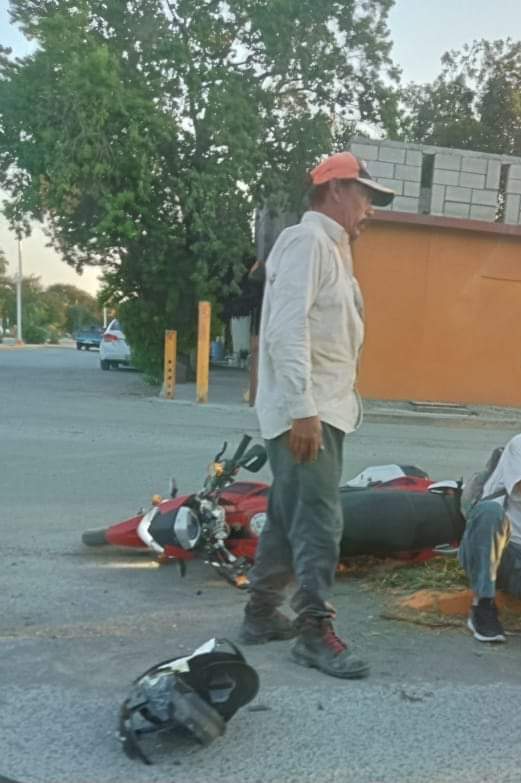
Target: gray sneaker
260 629
319 647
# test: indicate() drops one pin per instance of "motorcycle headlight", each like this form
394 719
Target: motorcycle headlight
187 528
257 523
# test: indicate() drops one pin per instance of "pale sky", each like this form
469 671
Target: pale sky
422 30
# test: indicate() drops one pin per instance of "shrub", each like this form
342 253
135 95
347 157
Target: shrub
53 335
34 334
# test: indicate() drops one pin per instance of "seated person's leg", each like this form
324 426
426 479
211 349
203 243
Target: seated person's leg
486 537
509 572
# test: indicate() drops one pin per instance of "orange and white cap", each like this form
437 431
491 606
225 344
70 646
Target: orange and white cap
346 166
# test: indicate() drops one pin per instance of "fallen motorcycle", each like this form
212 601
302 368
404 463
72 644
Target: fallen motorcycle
387 510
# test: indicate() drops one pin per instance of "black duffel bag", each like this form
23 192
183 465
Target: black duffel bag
379 521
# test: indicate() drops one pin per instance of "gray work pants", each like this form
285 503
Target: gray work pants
304 526
486 553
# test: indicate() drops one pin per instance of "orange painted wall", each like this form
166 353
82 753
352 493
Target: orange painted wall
443 314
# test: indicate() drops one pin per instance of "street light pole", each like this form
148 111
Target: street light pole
19 278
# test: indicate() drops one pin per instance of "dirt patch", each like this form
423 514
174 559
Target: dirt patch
433 593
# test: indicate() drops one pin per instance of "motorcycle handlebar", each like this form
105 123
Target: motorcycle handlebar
243 445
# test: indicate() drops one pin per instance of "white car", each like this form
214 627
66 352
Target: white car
114 349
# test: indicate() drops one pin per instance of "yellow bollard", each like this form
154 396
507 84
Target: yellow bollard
203 351
170 363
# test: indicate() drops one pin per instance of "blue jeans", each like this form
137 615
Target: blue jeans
486 553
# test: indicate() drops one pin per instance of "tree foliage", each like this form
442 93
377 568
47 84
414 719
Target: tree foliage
59 309
69 308
145 133
3 263
475 103
5 286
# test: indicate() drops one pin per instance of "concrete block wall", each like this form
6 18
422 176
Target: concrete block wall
465 184
396 166
513 195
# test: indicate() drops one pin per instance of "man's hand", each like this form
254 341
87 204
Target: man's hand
305 439
257 273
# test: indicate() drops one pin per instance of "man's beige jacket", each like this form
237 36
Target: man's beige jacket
312 329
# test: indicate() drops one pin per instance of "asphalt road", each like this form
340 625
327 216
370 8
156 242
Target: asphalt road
81 448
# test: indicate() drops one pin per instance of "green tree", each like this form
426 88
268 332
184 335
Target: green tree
3 263
145 132
62 308
69 309
33 305
475 103
5 288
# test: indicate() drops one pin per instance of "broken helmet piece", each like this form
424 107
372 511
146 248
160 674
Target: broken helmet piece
195 695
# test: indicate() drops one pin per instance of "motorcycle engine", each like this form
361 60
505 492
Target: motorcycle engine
215 518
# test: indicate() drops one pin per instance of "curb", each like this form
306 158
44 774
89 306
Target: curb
221 406
441 420
453 602
472 420
33 347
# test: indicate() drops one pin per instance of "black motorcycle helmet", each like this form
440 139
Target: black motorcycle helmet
197 695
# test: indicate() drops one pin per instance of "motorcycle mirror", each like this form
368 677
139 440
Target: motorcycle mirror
218 456
254 459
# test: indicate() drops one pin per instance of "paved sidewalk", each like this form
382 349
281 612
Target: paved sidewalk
229 388
10 344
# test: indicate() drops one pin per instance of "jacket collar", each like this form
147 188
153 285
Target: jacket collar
333 229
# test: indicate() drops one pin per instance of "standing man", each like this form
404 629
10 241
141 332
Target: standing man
311 334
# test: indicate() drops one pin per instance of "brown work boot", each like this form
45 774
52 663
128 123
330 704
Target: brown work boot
272 626
319 647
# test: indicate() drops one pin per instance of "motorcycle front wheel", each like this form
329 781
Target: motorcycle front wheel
95 537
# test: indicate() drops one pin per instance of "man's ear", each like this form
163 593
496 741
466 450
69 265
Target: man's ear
334 189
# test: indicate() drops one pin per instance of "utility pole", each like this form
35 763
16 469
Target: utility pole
19 279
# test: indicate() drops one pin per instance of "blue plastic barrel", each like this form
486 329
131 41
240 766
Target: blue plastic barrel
217 351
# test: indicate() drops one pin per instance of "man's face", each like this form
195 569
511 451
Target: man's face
354 207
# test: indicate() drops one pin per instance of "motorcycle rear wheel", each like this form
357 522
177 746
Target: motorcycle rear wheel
95 537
